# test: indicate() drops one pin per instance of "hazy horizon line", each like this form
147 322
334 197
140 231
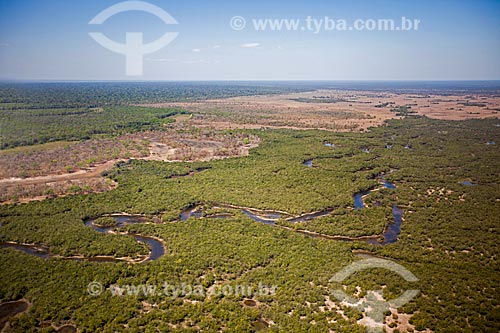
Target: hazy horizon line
6 80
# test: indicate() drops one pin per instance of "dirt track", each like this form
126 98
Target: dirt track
82 174
330 110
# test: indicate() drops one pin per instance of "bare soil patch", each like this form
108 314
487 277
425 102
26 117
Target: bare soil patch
37 173
333 110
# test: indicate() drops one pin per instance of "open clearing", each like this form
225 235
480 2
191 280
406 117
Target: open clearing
333 110
39 172
51 169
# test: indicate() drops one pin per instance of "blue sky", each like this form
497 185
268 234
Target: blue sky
456 40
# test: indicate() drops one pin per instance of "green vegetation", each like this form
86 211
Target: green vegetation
448 238
28 126
95 94
37 148
321 99
481 105
403 111
105 221
383 105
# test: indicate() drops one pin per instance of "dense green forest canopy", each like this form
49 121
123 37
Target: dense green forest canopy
448 238
94 94
28 126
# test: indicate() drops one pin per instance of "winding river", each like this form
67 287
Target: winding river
11 309
156 248
390 234
393 229
308 163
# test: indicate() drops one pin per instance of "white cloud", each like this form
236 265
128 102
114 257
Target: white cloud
5 45
195 62
196 50
161 59
216 46
249 45
178 61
